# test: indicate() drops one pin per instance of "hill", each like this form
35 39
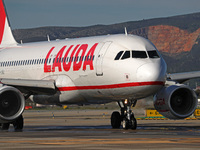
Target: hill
190 22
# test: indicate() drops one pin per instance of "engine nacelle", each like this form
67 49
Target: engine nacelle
12 104
176 101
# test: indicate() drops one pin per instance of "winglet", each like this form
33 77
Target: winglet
6 36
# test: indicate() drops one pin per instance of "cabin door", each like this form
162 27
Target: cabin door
100 57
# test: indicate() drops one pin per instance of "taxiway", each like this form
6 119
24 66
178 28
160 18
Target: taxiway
90 129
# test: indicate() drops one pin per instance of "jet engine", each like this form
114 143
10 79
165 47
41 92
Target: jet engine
176 101
12 104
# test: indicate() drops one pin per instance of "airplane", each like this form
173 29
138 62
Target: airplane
120 68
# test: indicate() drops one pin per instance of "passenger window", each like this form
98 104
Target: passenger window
153 54
126 55
119 55
139 54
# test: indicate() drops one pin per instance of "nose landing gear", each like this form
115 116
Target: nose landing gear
127 117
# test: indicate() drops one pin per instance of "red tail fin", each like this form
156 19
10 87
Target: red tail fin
6 37
2 20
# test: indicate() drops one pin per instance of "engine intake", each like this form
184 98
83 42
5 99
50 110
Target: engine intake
176 101
12 104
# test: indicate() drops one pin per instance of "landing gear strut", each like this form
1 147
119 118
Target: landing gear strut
127 117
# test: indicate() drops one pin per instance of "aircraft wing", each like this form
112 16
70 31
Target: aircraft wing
182 77
31 86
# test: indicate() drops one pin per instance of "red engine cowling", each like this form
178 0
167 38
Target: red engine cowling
176 101
12 104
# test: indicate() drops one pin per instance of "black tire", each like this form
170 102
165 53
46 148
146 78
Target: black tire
133 123
116 120
125 124
5 126
19 123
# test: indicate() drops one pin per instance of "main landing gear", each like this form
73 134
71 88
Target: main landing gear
18 124
126 117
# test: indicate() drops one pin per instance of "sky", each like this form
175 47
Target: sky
79 13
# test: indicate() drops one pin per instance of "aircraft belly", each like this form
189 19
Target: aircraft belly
107 95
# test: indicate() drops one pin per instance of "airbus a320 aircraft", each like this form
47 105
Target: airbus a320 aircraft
119 68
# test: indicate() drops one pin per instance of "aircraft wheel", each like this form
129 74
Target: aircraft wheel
5 126
133 123
116 120
18 123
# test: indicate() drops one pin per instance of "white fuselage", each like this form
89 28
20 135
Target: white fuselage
86 70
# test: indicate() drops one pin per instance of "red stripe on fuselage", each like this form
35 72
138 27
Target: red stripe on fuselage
2 20
112 86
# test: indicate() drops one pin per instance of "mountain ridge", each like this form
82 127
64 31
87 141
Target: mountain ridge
191 25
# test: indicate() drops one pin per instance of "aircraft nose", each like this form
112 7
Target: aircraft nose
151 72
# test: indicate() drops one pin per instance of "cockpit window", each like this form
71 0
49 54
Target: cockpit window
153 54
119 55
139 54
126 55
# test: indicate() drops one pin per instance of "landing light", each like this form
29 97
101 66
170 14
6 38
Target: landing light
126 101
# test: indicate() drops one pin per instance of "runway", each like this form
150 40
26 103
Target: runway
90 129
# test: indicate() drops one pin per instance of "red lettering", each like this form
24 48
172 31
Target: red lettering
89 58
160 101
77 56
78 61
66 66
47 68
58 60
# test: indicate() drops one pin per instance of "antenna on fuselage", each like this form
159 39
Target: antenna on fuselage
48 38
125 30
